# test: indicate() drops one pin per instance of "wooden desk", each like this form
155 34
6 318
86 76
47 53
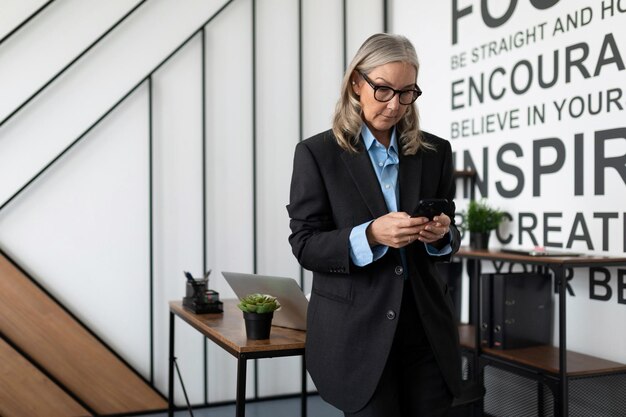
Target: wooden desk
227 330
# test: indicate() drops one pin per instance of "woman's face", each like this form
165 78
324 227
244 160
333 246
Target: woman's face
380 117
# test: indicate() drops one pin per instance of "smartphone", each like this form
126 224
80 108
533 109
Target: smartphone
431 207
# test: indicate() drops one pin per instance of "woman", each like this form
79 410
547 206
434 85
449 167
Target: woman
381 337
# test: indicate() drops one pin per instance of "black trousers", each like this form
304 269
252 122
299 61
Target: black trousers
411 384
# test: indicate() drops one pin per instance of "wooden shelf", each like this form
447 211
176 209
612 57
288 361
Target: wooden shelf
544 357
567 261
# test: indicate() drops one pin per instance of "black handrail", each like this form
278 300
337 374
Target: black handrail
344 9
58 74
151 223
205 345
25 21
254 188
300 102
385 16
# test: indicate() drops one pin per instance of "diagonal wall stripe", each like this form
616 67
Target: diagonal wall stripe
43 398
25 21
70 64
58 343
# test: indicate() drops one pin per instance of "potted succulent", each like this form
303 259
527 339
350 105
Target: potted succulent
258 311
481 220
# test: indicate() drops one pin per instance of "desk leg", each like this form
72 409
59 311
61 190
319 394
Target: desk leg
303 410
559 275
170 383
241 387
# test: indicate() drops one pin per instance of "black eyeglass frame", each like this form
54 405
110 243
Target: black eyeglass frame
375 87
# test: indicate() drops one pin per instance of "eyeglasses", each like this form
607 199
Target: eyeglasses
383 93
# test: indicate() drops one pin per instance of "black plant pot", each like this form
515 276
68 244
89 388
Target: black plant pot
479 240
258 326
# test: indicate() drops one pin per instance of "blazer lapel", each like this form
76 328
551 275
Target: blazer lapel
410 178
360 168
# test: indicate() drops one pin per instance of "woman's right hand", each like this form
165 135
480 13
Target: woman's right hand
395 229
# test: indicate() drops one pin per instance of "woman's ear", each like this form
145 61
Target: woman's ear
355 85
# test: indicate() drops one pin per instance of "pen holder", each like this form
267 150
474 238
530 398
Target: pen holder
199 299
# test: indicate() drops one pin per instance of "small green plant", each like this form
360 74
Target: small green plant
482 218
258 303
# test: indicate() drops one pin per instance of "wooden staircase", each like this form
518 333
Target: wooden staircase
51 365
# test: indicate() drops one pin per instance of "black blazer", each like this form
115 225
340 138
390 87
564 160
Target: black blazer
353 311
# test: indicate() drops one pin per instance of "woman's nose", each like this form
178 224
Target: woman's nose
394 103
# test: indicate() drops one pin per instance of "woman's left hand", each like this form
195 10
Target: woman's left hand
435 230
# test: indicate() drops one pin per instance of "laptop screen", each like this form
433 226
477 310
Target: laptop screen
292 313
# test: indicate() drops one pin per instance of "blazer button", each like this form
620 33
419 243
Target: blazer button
399 270
391 314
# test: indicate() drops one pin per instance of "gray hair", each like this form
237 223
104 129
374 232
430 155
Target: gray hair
377 50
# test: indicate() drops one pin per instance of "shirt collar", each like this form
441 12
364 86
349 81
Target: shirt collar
369 139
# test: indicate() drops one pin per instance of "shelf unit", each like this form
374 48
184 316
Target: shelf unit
543 358
554 366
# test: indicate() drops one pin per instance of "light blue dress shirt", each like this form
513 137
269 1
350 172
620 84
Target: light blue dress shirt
386 163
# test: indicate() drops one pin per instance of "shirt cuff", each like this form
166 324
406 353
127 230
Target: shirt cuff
360 251
446 250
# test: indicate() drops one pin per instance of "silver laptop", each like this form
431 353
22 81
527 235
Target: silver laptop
293 303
